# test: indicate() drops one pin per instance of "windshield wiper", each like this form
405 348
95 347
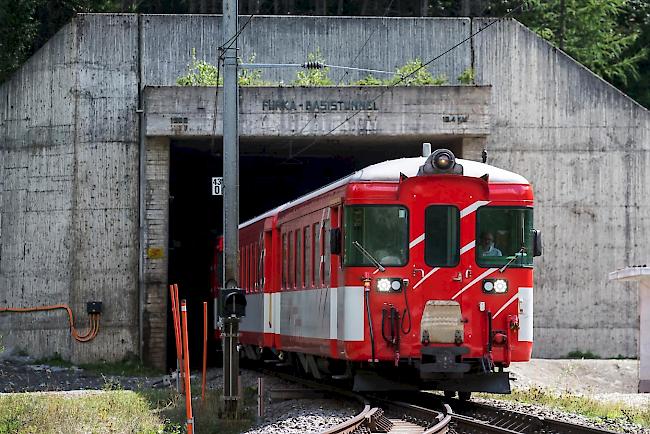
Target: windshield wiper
518 254
369 256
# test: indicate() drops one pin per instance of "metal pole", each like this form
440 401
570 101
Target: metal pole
230 204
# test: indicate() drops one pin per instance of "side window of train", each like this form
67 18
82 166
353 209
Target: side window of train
260 264
326 252
317 255
300 259
308 256
292 261
285 258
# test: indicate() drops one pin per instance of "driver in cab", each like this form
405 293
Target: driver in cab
486 245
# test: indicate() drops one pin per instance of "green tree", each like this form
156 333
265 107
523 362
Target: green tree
593 32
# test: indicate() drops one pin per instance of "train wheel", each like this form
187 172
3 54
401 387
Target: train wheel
464 396
449 394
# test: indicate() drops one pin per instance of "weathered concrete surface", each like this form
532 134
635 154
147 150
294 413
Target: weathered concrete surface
69 164
168 41
586 148
69 188
297 111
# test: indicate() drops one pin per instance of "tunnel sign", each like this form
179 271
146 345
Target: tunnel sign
217 186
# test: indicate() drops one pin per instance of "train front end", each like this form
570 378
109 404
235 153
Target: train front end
446 260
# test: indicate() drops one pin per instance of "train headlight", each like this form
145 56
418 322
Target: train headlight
500 286
390 284
495 286
443 160
383 285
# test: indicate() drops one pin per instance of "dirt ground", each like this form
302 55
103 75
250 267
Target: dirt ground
612 380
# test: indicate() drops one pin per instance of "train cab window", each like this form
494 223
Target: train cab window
285 256
441 236
327 256
309 258
381 230
504 235
317 255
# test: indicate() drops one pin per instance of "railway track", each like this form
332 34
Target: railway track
477 418
423 412
378 415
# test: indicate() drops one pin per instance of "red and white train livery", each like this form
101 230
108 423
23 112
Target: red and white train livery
413 271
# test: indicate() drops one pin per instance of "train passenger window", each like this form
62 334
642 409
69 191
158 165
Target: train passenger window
441 236
381 230
309 258
285 256
253 267
260 264
317 255
326 253
292 262
504 235
300 259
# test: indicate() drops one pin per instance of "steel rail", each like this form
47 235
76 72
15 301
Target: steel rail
372 416
472 417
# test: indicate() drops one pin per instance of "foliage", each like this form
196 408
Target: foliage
250 77
200 73
577 354
314 77
114 411
369 80
600 34
591 408
414 73
467 76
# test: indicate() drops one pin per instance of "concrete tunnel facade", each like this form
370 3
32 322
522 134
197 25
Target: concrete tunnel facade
86 126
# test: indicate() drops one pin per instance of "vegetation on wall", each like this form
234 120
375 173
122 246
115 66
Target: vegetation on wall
611 37
314 77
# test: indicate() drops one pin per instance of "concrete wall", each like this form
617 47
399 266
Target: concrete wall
187 112
168 41
69 187
586 148
69 164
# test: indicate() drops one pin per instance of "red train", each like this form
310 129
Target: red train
415 272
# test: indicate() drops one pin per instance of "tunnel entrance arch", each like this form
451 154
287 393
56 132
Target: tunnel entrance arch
181 217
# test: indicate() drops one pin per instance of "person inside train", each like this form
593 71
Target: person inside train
486 245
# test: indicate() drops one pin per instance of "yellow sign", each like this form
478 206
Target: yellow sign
155 253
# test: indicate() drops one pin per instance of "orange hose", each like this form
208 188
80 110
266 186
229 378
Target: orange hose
186 366
205 348
87 337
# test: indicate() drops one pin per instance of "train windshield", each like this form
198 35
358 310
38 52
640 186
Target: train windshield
381 229
504 236
441 236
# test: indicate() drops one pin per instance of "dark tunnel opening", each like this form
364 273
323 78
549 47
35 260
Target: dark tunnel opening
270 175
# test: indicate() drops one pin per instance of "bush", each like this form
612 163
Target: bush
202 73
414 73
314 77
467 76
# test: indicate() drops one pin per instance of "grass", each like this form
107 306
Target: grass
576 404
128 367
150 411
577 354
